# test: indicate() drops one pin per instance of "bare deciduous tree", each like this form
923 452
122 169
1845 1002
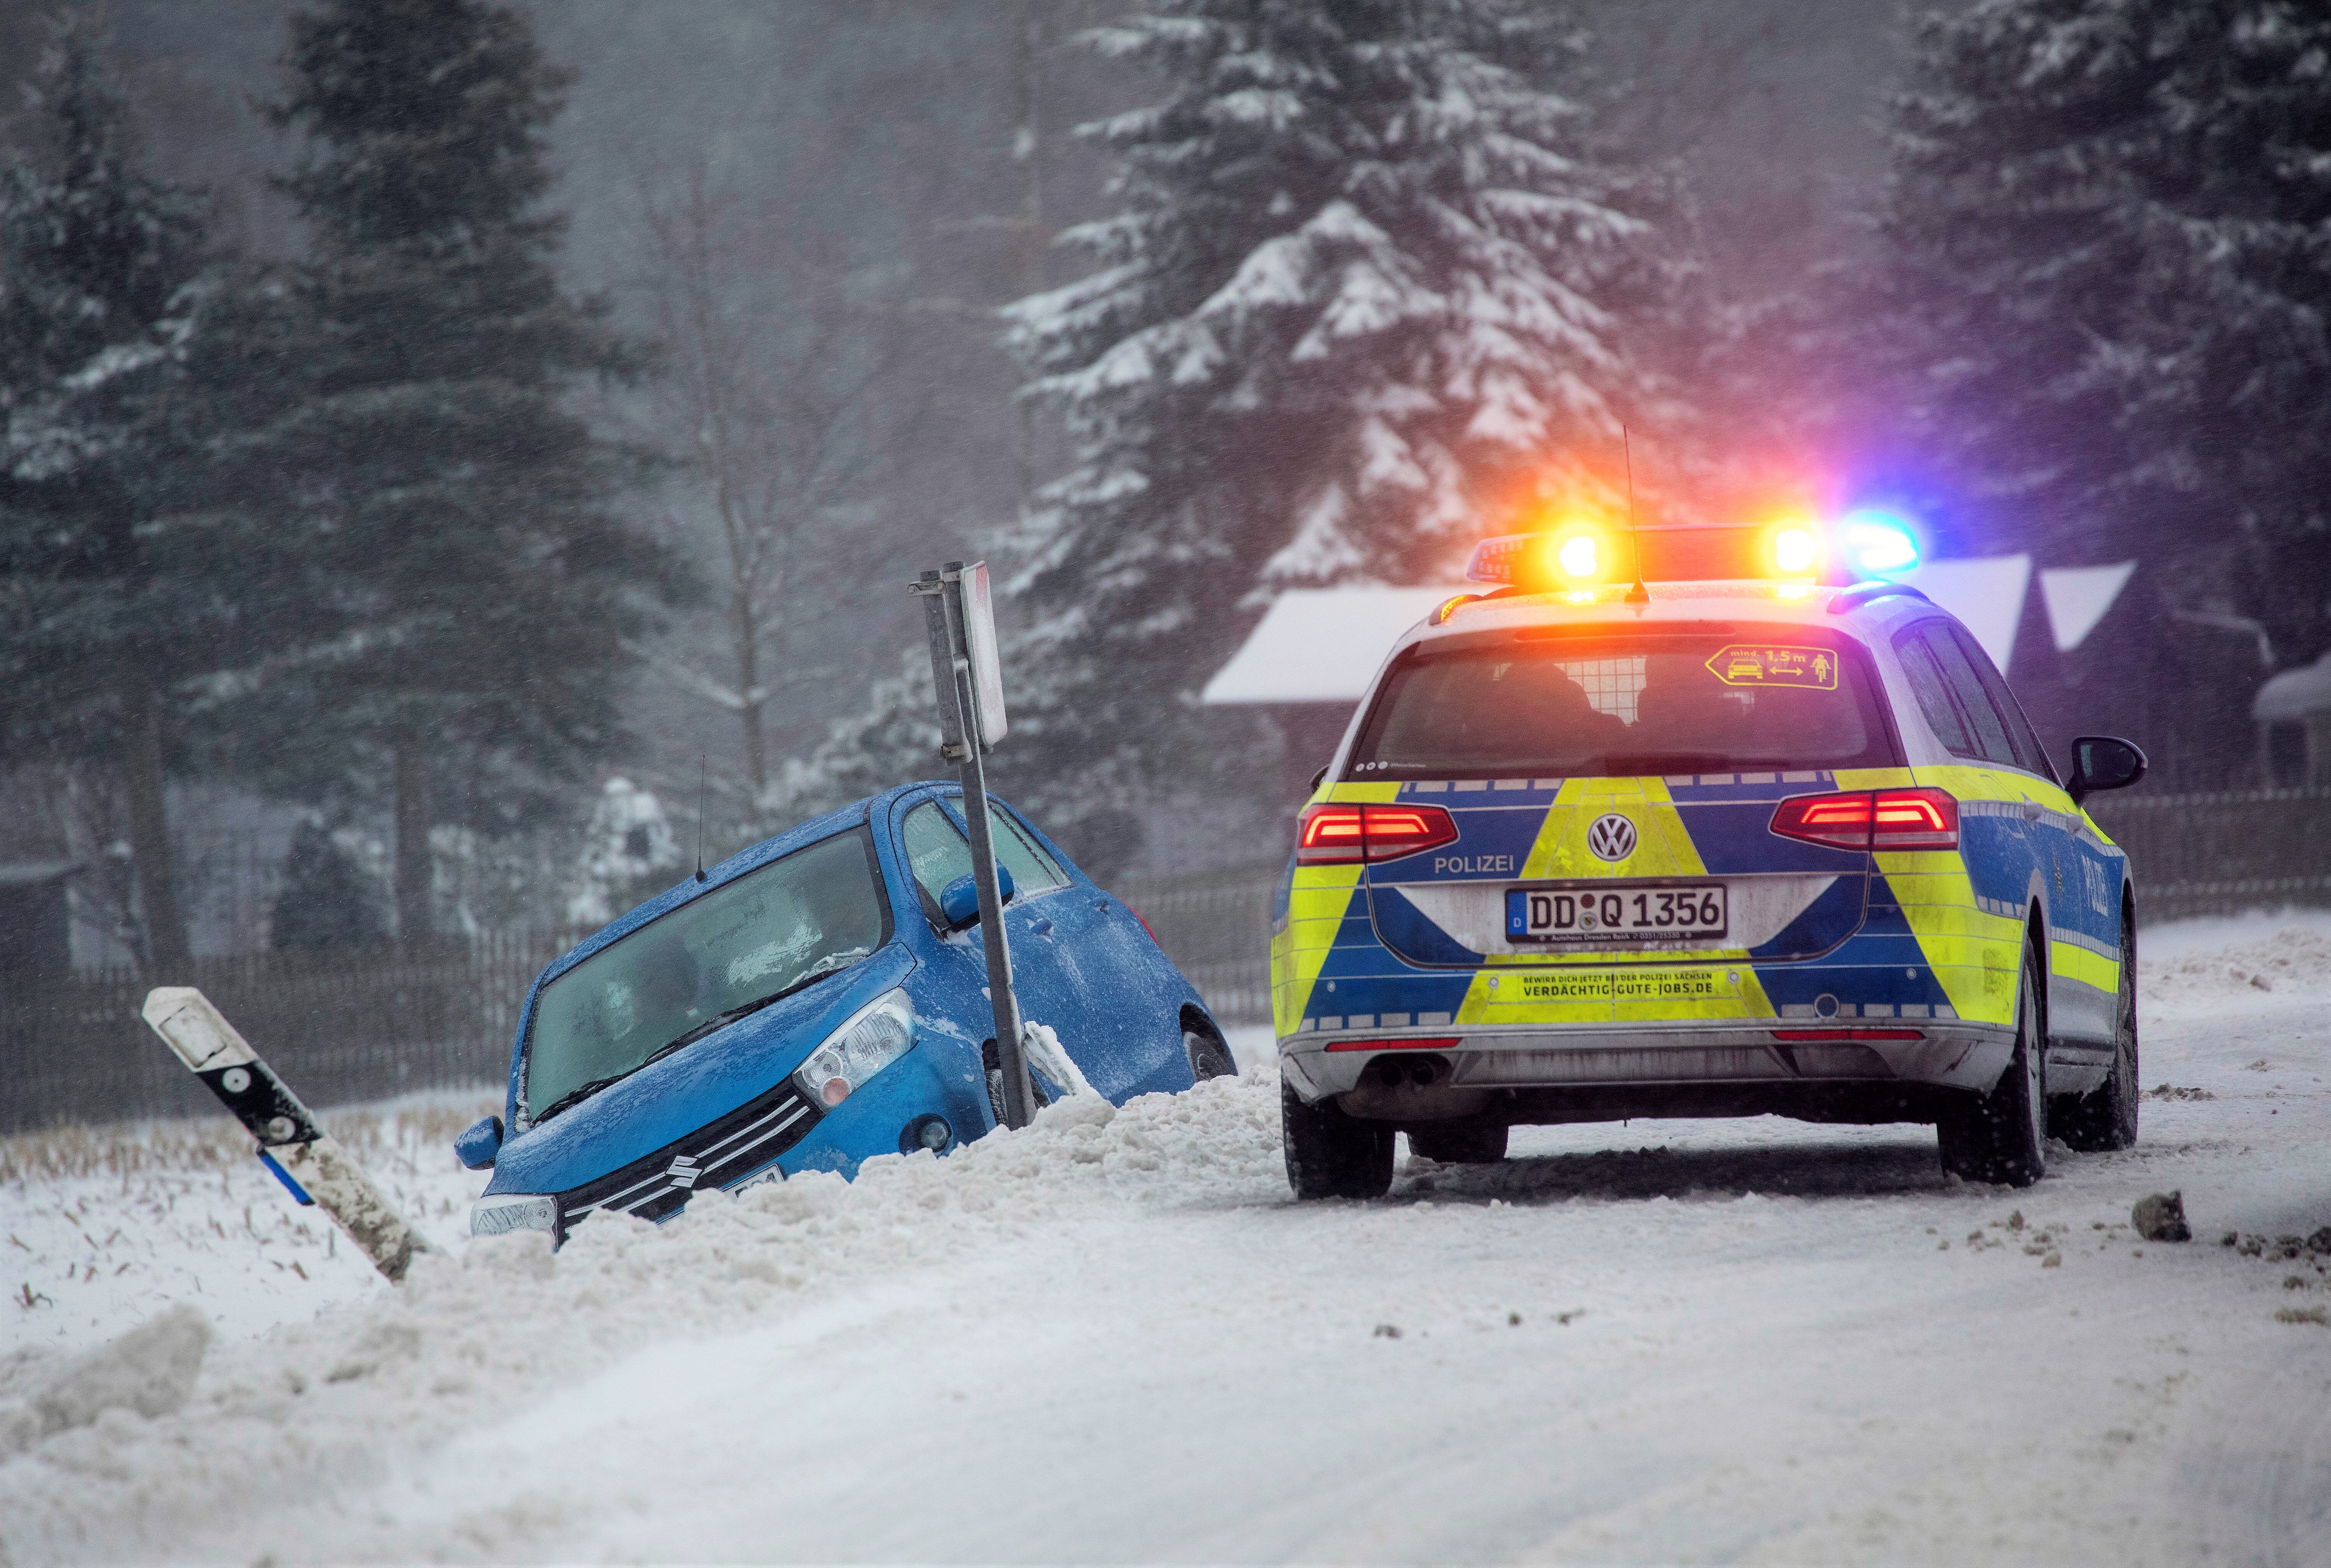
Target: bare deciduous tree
783 400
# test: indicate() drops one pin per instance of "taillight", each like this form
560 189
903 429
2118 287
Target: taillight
1920 818
1329 836
1840 822
1442 1044
1339 834
1915 819
1805 1035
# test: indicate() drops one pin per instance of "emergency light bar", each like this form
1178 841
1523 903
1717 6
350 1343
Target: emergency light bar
1860 546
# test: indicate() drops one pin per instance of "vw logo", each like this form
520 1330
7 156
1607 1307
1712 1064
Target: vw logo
1611 838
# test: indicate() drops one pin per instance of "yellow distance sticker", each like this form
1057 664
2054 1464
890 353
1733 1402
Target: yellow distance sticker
1755 664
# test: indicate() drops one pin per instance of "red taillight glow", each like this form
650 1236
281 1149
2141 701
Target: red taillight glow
1393 1044
1821 1035
1915 819
1920 818
1339 834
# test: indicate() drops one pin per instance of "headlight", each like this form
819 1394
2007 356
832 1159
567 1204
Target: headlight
877 1035
513 1211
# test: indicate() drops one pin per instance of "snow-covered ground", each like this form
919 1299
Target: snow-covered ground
1117 1337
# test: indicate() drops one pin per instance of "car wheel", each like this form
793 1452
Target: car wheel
1330 1155
1209 1057
2106 1117
2001 1137
1459 1143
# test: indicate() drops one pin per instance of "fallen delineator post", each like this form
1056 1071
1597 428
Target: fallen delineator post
305 1159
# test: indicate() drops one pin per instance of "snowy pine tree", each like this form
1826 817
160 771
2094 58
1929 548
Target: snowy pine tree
467 502
1361 303
2111 284
126 576
1350 311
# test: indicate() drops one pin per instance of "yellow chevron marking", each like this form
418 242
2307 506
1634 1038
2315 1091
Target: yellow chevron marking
1663 847
1592 994
1316 910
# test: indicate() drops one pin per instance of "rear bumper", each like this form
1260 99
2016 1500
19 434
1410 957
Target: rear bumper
1523 1074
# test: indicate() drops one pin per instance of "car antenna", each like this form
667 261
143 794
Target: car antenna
703 771
1638 595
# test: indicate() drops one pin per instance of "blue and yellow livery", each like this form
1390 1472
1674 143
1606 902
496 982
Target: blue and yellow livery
1700 849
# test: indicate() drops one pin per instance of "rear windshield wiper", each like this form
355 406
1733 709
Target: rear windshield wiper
1665 764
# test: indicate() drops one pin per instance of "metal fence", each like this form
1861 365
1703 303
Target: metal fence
358 1025
2223 851
340 1024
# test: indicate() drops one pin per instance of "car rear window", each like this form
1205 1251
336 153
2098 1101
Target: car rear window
813 912
1749 700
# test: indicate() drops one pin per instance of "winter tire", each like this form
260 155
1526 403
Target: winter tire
2001 1137
1209 1057
2106 1117
1330 1155
1459 1143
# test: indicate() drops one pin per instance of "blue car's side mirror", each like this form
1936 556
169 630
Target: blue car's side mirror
959 905
477 1148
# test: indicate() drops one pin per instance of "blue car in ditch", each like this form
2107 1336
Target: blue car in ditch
811 1002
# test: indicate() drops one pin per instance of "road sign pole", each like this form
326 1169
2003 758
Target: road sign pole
948 623
307 1160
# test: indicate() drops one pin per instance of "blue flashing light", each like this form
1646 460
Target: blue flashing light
1876 542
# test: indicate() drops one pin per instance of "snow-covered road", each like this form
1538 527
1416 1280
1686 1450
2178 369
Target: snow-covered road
1117 1337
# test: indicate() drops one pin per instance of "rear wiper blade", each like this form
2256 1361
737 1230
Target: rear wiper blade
1665 764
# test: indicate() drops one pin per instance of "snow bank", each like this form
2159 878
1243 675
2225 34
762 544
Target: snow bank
102 1228
2181 969
149 1371
496 1319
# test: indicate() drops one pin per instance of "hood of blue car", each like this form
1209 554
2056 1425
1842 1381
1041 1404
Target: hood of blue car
667 1099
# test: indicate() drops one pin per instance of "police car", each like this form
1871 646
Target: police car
1708 844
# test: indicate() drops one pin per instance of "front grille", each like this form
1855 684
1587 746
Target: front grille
716 1154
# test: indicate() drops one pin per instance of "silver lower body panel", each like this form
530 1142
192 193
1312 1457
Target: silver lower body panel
1583 1073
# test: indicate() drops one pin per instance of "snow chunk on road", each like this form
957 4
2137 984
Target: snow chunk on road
151 1370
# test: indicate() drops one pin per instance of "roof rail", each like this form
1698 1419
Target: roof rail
1861 593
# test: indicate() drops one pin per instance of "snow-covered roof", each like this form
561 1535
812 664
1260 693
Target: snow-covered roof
1321 644
2078 597
2301 693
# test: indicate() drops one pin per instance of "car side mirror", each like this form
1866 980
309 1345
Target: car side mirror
477 1148
1320 777
959 905
2102 762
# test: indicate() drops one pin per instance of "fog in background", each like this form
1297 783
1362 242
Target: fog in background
876 141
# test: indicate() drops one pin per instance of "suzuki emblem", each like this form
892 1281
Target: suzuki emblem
1611 838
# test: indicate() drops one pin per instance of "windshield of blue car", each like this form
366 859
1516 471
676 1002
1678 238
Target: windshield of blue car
1755 699
744 944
